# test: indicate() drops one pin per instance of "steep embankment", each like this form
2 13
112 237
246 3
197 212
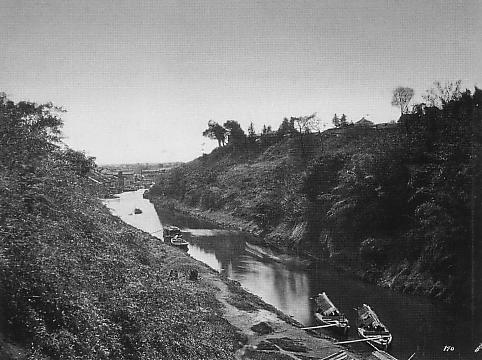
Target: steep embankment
392 205
78 283
88 286
256 190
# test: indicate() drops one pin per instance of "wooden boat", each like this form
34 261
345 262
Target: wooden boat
179 241
327 314
371 328
137 211
145 194
173 236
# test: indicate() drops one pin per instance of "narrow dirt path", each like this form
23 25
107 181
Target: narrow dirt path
277 338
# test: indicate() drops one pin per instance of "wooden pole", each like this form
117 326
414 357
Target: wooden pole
318 327
358 340
338 355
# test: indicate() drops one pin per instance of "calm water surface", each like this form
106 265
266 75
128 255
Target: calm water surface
418 325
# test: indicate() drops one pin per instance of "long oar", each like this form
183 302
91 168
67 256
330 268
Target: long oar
358 340
318 327
340 355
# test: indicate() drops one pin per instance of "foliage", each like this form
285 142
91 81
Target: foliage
29 132
336 120
251 133
235 133
216 131
383 199
401 97
305 125
440 95
79 162
343 121
406 197
286 127
340 121
77 283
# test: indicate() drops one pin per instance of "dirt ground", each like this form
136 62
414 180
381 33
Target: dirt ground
278 339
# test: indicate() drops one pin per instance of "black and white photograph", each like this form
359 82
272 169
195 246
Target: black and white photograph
241 179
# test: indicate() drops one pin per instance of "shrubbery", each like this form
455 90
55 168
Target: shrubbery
77 283
402 193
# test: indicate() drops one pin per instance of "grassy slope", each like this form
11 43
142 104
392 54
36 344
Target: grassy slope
82 284
260 191
262 188
79 283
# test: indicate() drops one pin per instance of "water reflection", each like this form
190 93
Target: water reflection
417 324
273 282
123 206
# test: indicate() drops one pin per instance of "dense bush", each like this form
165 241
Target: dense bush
77 283
409 195
381 197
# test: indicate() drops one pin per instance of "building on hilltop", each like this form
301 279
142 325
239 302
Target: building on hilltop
364 123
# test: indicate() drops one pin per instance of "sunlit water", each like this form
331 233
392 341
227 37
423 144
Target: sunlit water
417 324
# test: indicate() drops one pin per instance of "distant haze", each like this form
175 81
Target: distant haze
141 79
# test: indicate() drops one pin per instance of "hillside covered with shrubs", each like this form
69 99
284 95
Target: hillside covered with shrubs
395 205
78 283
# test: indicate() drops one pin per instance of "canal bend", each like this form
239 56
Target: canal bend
417 324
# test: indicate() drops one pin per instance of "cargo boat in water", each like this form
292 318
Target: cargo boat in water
370 327
173 236
327 314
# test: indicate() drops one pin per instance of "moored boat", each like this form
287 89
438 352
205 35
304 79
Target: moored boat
179 241
371 328
137 211
145 194
173 236
327 314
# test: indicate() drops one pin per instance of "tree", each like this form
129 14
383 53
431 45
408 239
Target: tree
401 97
336 120
305 125
216 131
343 121
77 161
266 136
287 127
29 132
440 95
266 130
235 133
251 133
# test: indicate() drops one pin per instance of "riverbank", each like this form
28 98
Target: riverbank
218 218
93 287
400 278
391 205
260 244
262 331
418 324
237 313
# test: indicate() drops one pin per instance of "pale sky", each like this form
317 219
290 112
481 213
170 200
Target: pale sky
141 79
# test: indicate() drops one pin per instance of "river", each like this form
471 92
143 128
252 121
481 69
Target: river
418 325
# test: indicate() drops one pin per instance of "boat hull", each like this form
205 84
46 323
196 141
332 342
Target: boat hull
335 324
179 243
381 343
